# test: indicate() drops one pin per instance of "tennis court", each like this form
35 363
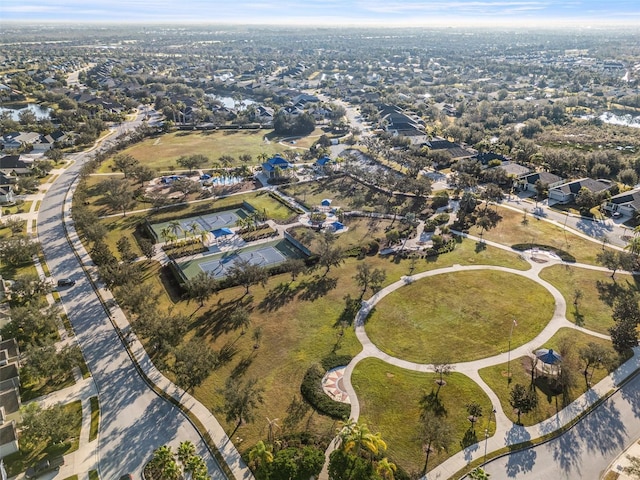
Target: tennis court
207 222
265 255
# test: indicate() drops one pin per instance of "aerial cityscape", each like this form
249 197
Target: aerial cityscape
339 240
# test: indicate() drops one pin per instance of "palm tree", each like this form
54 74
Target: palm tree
355 437
260 455
385 469
186 450
165 234
175 227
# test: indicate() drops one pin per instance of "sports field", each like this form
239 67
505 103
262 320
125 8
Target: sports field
207 222
265 254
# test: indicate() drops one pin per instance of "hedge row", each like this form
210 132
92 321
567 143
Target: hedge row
312 392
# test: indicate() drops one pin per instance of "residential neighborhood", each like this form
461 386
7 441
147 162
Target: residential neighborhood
390 253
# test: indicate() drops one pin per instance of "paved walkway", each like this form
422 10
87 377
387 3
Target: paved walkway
504 434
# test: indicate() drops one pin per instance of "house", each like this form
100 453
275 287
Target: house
566 192
485 157
455 150
13 166
626 203
274 166
9 395
527 182
264 115
15 140
514 169
6 195
292 111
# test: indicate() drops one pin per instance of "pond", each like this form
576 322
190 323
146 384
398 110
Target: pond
39 111
230 102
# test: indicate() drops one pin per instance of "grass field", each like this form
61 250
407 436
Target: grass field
460 316
300 325
511 231
390 403
548 403
347 194
591 312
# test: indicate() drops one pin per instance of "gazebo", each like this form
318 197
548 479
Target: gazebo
549 359
221 232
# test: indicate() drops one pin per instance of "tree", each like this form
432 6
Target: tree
143 174
147 247
201 287
626 314
296 463
240 318
54 154
523 399
240 400
295 266
15 224
614 260
442 368
117 194
194 363
435 434
586 200
185 186
193 162
260 456
125 250
31 324
478 474
355 437
346 466
367 277
634 467
17 250
125 163
27 286
330 256
593 355
245 273
474 409
54 424
386 469
163 330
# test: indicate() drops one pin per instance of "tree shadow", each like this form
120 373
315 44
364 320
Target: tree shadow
351 308
241 368
565 452
430 402
523 460
469 438
318 287
278 297
481 246
220 320
609 291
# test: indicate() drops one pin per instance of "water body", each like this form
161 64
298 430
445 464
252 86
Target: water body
229 102
39 111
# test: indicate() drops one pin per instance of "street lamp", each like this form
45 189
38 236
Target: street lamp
513 324
486 434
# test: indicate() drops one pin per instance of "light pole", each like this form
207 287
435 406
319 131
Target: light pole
513 324
486 434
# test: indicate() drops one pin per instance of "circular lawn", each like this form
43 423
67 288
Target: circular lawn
457 317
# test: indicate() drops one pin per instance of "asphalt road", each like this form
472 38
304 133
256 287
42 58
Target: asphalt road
134 420
586 450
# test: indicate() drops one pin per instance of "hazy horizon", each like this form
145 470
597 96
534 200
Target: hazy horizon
327 13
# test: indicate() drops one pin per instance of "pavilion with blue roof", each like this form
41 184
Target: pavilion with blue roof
270 166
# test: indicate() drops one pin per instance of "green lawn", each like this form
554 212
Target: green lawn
512 231
300 325
459 316
548 404
390 403
95 418
347 194
19 461
162 152
591 312
23 207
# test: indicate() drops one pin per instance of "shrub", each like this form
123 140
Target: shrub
311 390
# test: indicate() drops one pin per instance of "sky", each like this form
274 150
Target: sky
326 12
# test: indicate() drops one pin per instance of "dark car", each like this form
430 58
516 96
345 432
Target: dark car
126 477
44 466
66 282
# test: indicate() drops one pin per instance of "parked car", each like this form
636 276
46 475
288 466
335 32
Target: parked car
44 466
126 477
66 282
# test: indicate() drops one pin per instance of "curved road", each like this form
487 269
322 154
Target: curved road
134 421
586 450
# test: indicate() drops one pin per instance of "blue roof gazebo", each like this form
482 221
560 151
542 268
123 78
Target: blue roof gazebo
337 226
326 202
222 232
551 358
